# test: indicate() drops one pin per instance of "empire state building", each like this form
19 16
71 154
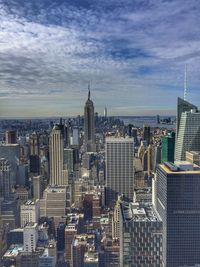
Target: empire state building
89 128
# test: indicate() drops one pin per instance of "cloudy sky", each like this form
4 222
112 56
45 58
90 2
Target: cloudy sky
133 52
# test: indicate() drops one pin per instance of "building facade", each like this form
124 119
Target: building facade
177 200
140 236
56 148
29 212
168 147
119 169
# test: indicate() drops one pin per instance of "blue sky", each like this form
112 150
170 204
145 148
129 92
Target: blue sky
133 53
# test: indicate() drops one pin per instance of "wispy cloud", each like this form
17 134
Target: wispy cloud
131 51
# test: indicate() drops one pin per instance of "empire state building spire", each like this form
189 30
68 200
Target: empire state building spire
89 125
88 91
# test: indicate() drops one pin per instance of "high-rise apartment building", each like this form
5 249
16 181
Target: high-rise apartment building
56 148
177 200
89 125
187 130
119 169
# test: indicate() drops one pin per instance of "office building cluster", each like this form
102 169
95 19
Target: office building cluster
93 191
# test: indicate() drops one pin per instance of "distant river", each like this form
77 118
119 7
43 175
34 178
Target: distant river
150 120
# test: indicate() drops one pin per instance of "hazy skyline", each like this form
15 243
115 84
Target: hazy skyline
132 51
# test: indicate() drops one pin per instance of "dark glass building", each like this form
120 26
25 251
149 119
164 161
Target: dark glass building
61 236
168 147
147 134
177 200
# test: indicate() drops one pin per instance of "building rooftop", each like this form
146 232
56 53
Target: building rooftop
30 225
118 139
55 189
30 202
84 239
13 251
180 167
197 153
134 212
20 230
91 257
11 145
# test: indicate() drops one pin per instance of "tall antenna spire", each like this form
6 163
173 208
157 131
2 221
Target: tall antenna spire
185 83
89 91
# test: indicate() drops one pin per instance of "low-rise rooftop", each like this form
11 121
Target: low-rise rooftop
134 212
13 251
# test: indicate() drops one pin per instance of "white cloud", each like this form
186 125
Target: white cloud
134 53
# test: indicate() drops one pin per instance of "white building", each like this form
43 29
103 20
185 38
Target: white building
119 168
30 237
29 212
53 203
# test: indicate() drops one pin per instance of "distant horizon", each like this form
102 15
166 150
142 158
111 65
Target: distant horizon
68 117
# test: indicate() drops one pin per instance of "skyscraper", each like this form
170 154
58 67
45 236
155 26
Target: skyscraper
168 147
10 137
188 129
89 125
11 152
5 179
182 106
177 200
105 113
53 203
34 144
119 168
56 148
146 134
37 180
